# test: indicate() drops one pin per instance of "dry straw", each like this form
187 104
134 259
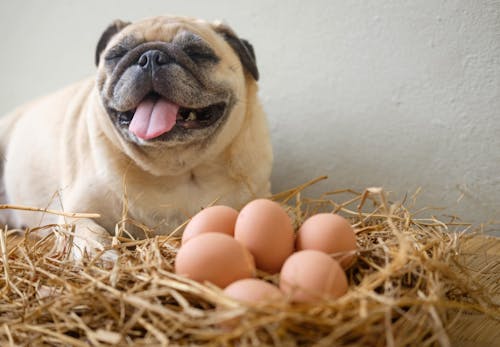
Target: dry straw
407 287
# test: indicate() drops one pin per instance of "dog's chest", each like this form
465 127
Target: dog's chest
163 204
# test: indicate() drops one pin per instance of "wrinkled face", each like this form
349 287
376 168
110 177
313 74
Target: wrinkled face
173 81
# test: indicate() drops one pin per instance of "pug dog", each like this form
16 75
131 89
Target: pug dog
171 123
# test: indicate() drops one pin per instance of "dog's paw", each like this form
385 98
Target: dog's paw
90 242
93 251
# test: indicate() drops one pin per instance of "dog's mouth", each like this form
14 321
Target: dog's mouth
156 116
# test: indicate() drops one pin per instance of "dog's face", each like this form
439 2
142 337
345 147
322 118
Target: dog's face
174 82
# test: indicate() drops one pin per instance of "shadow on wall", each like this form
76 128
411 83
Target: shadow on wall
353 165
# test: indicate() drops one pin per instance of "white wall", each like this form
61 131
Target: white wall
395 93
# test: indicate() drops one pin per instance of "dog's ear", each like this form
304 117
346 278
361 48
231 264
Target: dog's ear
242 47
110 31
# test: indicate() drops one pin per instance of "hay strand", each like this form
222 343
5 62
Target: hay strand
45 210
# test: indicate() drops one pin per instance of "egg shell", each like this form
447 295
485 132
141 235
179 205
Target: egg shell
310 276
265 229
253 291
250 291
216 258
219 219
329 233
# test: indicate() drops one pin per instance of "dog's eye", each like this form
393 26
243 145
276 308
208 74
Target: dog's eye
201 54
115 53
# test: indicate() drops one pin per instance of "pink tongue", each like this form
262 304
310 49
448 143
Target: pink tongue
153 118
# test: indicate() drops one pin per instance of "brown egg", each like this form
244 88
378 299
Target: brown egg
329 233
252 291
265 229
310 276
216 258
217 219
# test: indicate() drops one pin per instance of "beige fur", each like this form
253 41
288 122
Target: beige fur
65 143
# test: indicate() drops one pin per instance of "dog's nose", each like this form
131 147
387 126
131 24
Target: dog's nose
152 58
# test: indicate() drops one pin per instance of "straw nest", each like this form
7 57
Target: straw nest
405 284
